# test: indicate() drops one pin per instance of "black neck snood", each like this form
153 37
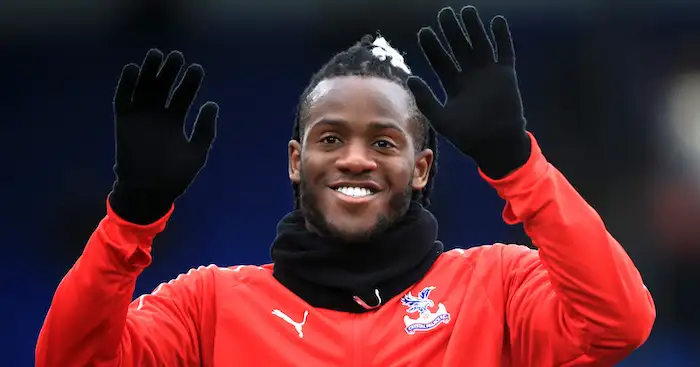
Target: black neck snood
354 277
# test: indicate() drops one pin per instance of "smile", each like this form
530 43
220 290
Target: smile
353 195
355 192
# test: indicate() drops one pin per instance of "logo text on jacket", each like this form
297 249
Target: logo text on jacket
420 304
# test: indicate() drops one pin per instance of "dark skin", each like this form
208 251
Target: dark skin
358 133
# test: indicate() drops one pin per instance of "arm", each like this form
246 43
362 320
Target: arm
92 321
579 299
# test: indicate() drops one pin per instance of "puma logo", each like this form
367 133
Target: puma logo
297 325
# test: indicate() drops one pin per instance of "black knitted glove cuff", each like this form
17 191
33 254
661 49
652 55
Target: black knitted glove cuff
499 157
139 206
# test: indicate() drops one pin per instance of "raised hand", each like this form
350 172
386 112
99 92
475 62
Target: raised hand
482 114
156 160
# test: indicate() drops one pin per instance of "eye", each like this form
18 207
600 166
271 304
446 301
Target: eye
329 139
384 144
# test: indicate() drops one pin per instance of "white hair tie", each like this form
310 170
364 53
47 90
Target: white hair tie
382 50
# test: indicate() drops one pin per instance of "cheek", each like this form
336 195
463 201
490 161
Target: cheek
312 168
401 173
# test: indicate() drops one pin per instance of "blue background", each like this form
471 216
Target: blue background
591 88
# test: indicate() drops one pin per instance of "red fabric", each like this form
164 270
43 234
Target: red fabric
578 300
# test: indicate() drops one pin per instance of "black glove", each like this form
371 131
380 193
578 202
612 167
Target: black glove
482 115
155 159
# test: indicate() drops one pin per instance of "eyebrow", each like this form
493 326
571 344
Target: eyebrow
374 125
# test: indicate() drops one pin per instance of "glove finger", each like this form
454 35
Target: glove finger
204 131
426 101
504 41
481 44
457 40
439 59
186 91
125 88
168 73
144 92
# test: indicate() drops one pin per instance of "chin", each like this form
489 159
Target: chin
351 219
353 232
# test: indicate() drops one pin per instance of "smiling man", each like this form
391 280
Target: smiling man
347 189
358 276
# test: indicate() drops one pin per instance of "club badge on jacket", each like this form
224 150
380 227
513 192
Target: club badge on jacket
420 304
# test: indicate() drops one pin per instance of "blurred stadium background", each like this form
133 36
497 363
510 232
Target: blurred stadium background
611 89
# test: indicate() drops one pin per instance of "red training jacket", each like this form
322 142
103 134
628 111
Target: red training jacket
578 300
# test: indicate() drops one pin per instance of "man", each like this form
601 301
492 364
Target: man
358 277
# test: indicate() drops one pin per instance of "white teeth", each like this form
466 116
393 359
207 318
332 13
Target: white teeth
356 192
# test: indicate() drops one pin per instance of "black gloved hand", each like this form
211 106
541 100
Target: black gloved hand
482 115
155 160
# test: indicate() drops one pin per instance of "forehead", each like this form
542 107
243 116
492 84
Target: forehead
359 100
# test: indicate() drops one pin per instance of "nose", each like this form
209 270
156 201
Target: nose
356 159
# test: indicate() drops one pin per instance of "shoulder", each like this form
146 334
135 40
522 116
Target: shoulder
492 264
213 273
488 256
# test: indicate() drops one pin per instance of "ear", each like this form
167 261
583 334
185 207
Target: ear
294 161
421 169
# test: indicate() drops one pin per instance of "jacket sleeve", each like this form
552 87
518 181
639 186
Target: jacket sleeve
92 320
578 300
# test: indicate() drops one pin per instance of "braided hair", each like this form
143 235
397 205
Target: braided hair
371 58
